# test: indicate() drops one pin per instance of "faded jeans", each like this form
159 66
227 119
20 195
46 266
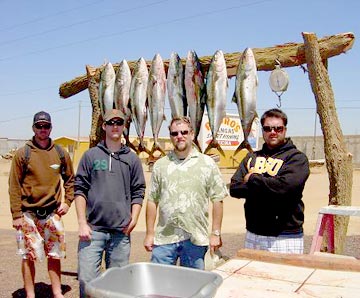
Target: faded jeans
190 255
115 245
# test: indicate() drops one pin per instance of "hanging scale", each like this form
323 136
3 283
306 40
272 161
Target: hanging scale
278 81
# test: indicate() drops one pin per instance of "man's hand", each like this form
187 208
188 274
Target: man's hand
149 242
18 222
130 227
63 209
215 243
85 232
247 176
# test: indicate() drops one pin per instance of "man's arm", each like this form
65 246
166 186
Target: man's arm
238 187
293 174
217 216
68 179
84 228
16 172
137 184
151 209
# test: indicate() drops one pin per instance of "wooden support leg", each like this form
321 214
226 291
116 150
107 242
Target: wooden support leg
325 223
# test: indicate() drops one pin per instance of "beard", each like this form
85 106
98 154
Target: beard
182 146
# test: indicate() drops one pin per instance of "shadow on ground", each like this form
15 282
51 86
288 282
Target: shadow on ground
41 290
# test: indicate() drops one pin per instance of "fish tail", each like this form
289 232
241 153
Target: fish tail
141 148
216 145
244 145
156 147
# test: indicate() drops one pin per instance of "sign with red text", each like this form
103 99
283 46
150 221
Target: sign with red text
230 134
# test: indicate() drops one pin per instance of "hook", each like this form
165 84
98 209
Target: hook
279 97
277 63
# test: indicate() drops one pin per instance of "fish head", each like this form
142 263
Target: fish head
108 72
249 59
218 63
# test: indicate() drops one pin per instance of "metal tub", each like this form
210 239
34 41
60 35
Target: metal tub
148 280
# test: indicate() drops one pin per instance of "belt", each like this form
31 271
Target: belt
42 212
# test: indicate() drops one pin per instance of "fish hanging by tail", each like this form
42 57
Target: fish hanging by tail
216 89
138 101
245 95
156 91
195 90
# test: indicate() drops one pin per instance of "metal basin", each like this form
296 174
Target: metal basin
148 280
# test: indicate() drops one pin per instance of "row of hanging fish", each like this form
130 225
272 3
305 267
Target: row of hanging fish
189 91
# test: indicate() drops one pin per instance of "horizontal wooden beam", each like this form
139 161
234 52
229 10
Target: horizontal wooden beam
288 54
318 260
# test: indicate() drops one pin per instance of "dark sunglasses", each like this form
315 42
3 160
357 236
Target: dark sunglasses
176 133
277 129
112 122
40 126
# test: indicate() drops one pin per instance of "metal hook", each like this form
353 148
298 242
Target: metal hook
279 97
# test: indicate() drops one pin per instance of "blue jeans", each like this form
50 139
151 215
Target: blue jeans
115 245
190 255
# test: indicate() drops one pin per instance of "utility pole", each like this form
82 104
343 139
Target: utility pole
78 137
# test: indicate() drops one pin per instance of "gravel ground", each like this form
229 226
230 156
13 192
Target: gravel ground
10 275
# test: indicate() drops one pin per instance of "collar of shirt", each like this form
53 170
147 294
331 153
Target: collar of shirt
193 154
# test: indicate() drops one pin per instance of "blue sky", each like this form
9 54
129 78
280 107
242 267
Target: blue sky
45 43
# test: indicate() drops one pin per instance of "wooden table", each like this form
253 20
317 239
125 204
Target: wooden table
266 275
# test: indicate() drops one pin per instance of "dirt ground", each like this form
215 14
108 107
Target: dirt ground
315 197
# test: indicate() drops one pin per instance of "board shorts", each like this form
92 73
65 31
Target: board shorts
43 237
292 244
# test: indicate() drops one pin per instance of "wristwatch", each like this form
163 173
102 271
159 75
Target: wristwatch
216 233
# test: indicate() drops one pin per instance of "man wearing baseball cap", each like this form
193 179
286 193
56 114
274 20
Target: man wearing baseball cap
36 193
109 191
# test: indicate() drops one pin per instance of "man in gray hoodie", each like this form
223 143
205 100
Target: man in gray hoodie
109 191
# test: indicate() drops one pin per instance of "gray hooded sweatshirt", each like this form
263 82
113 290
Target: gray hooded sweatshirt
110 183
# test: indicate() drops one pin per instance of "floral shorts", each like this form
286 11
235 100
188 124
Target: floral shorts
43 237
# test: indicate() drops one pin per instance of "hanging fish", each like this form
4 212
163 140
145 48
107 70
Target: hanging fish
122 88
156 92
245 95
195 93
175 86
106 88
216 88
138 101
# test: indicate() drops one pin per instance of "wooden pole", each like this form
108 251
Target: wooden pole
96 132
338 159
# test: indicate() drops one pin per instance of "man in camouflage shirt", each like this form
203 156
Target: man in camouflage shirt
182 185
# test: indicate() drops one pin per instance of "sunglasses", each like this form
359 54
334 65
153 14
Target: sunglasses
112 122
176 133
277 129
40 126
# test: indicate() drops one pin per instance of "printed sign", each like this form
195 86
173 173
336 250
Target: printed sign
230 134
